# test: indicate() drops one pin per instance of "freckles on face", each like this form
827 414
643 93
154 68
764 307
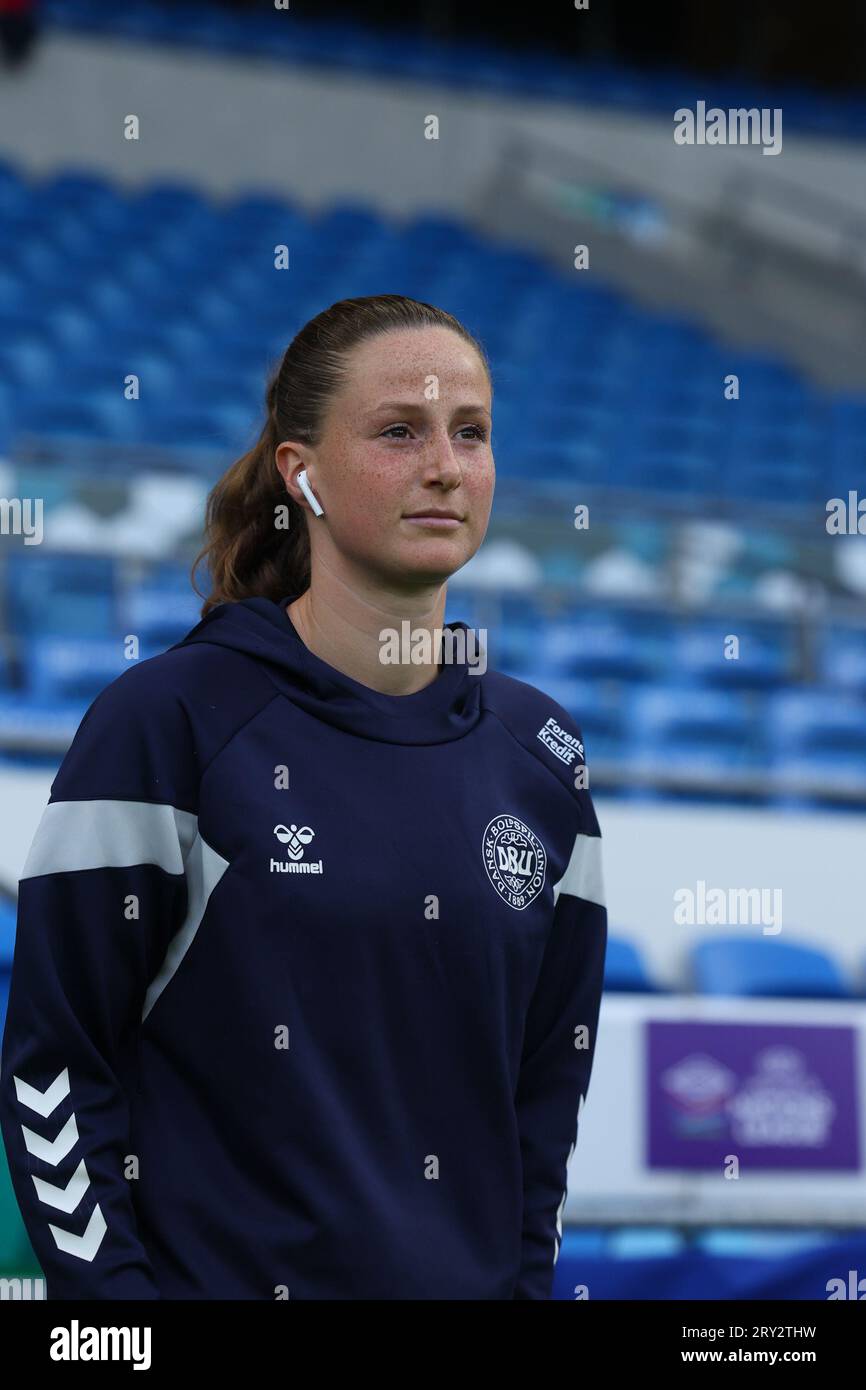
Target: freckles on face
410 426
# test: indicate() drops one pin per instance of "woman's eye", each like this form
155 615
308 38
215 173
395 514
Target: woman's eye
478 430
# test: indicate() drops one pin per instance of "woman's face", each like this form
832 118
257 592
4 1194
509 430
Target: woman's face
408 432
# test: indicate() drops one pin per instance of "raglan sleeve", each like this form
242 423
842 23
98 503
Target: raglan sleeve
102 892
558 1050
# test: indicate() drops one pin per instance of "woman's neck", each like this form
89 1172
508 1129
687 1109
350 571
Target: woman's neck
350 633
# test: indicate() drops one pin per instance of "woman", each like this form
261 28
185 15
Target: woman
311 940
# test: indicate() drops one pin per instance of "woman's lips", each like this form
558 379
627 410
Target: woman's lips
439 523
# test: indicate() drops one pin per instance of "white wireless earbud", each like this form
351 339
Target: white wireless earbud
309 494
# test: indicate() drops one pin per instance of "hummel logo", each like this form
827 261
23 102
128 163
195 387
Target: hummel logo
294 841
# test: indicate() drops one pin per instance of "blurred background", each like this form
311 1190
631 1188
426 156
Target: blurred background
677 336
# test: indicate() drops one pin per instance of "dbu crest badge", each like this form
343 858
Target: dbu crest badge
515 860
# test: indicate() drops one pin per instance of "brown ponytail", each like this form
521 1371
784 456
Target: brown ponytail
249 554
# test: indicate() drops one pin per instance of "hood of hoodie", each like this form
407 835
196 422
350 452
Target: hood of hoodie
445 710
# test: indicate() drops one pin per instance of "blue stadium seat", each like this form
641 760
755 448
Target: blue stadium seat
645 1242
817 741
582 1242
201 424
163 199
750 1243
73 668
766 968
76 188
98 415
693 733
15 188
6 426
160 614
681 473
624 969
254 209
768 481
8 922
614 647
513 647
766 657
842 658
34 732
59 594
436 233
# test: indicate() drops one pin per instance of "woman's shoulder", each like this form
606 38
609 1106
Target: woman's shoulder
537 721
181 701
152 686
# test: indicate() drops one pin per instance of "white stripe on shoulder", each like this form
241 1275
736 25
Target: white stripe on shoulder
75 835
583 875
204 869
110 835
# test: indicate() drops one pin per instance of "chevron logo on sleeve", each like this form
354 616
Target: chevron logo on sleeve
61 1198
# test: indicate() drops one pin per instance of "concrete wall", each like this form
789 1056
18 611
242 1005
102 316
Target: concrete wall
319 135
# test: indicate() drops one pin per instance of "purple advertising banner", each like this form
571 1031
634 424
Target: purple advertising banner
776 1096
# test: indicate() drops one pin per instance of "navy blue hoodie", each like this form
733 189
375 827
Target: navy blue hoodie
306 981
